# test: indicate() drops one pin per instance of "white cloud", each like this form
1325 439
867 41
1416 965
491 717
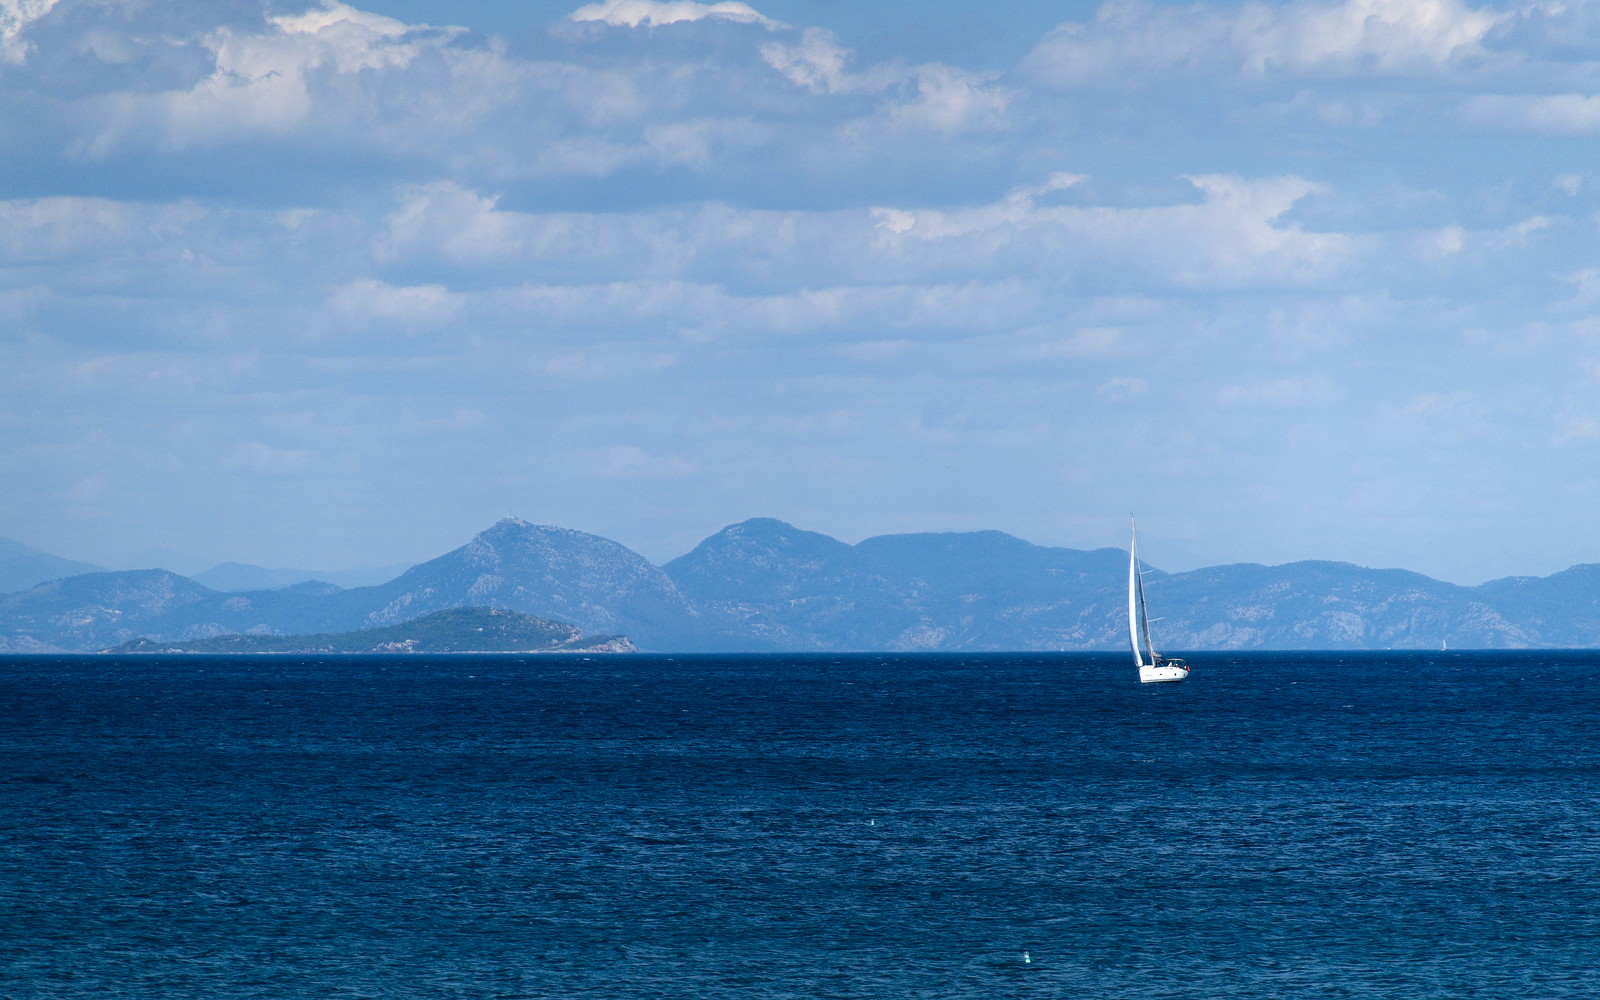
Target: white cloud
449 258
462 226
652 13
1233 237
1361 37
66 227
1547 114
1434 245
349 39
414 307
818 64
1134 40
950 101
934 96
336 82
307 73
15 16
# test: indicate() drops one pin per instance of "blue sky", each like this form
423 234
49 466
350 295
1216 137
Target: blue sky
323 285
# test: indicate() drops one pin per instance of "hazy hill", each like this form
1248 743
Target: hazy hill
570 576
1563 609
991 590
22 566
95 610
582 580
233 576
1330 605
780 587
100 610
797 589
762 559
459 630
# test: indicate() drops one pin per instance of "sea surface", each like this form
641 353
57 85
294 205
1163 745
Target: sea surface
1282 825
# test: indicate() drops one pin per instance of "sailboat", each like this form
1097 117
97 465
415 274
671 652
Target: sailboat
1156 669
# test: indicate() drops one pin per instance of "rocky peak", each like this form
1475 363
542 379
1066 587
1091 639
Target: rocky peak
557 573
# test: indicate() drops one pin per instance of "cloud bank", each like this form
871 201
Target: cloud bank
286 283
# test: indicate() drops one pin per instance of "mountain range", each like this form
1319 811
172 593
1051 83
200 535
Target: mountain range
764 585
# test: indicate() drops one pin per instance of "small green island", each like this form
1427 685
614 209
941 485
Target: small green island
456 630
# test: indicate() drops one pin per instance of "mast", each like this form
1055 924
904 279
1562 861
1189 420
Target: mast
1135 595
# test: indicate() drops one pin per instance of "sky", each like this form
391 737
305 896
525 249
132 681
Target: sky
322 285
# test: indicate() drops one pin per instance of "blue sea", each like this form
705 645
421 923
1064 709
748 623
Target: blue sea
1281 825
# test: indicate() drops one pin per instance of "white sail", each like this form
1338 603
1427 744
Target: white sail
1135 598
1157 669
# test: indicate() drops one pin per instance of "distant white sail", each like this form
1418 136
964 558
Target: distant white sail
1157 668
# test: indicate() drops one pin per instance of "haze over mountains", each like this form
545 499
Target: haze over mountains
22 566
243 576
763 585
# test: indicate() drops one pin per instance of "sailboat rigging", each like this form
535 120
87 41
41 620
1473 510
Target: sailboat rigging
1156 669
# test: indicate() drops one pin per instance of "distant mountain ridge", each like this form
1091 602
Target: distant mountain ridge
802 590
233 576
591 583
22 566
764 585
570 576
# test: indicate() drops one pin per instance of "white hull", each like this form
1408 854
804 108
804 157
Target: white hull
1161 675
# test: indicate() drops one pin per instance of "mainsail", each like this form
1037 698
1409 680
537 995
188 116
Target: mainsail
1155 668
1137 621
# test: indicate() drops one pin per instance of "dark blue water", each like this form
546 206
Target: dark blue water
1280 826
